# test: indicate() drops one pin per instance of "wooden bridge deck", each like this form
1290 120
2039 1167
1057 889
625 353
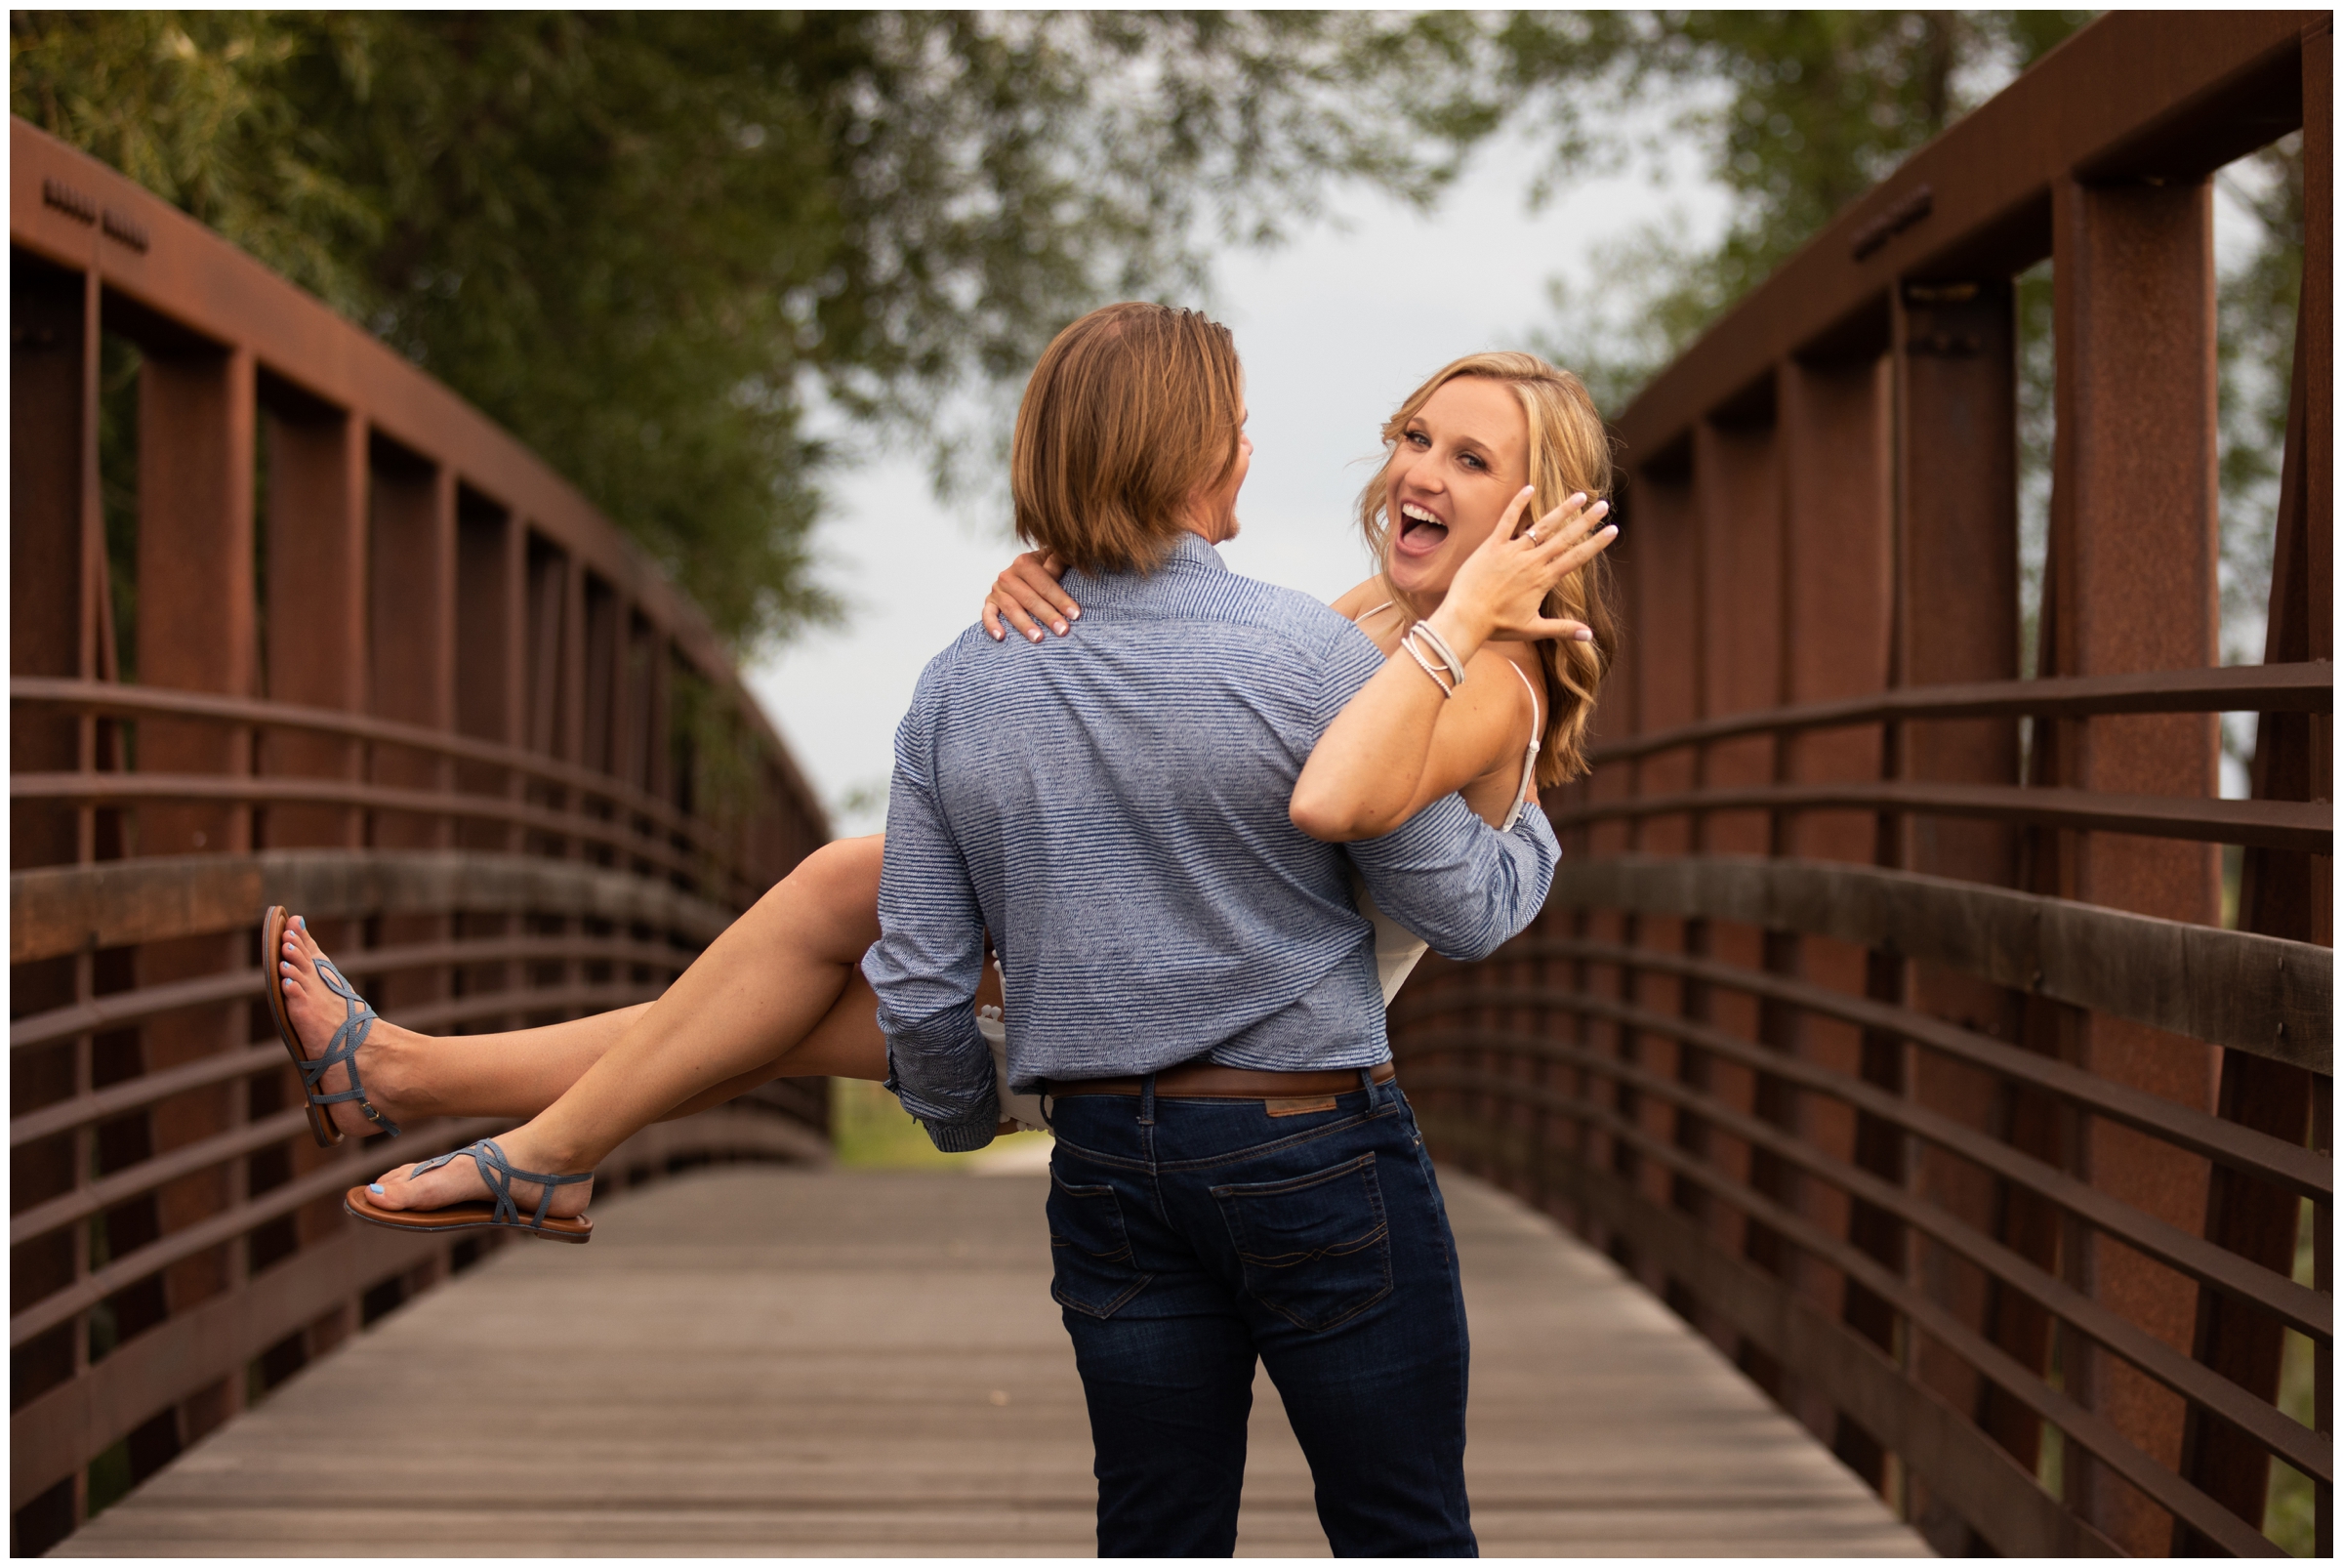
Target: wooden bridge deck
755 1361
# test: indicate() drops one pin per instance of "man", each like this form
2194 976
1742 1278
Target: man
1188 980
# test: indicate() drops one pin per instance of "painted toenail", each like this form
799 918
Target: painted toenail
374 1188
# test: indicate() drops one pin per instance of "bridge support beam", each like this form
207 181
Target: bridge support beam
1837 611
2130 586
315 617
1954 349
197 630
2290 895
411 586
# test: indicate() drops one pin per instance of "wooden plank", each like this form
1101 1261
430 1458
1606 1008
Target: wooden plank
62 909
756 1362
2235 989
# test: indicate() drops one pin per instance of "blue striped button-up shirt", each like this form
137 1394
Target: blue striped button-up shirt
1111 806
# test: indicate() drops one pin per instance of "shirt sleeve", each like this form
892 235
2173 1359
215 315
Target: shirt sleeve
929 956
1457 882
1444 874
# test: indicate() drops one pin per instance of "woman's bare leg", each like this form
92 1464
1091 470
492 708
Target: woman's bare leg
776 993
801 926
409 1076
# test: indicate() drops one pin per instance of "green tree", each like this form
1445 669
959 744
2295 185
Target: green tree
2258 300
1793 114
646 242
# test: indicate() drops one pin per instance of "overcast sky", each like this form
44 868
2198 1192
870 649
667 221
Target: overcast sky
1335 329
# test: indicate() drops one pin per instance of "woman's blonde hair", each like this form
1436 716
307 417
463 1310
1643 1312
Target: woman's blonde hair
1570 452
1132 411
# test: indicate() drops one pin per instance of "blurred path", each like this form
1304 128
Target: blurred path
755 1362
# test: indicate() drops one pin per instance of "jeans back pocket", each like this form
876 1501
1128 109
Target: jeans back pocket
1091 1268
1316 1249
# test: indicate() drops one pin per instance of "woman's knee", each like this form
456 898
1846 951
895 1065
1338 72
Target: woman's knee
831 897
844 872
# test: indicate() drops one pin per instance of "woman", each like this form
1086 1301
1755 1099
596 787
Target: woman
778 994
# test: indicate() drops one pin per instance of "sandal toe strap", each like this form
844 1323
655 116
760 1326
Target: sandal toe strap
500 1174
343 1050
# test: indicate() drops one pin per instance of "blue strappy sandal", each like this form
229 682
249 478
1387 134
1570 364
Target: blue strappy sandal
503 1213
340 1051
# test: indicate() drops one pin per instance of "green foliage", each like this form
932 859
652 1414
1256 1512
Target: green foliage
2258 302
646 242
1798 113
869 1130
1795 114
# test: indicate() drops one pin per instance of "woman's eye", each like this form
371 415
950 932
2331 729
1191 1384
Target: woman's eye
1473 462
1417 439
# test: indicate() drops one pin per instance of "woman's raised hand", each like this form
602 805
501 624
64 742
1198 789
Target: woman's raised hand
1027 592
1501 589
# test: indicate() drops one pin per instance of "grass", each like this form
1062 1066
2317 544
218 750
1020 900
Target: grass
869 1131
2292 1517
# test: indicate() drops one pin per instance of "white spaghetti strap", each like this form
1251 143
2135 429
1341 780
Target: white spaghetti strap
1528 761
1364 616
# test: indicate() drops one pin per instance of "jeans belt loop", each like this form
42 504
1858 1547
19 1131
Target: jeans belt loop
1367 1083
1147 1100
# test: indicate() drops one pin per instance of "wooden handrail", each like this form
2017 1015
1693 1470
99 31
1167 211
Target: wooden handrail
2238 990
2303 1172
2307 827
2303 1309
270 789
108 699
2310 1451
2090 1431
2236 689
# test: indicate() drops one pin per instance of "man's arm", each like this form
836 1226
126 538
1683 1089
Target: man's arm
928 959
1457 882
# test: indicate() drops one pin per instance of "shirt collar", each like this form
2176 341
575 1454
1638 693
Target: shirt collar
1189 554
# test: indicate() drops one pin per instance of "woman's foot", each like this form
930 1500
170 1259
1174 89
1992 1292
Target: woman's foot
461 1182
316 1014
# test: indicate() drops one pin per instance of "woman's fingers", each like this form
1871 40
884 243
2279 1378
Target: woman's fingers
1540 629
1570 521
1509 524
999 607
1026 595
1586 550
1033 578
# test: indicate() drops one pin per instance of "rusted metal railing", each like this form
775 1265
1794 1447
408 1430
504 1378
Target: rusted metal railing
1884 1018
390 672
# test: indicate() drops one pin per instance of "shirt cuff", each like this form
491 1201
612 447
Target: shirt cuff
960 1137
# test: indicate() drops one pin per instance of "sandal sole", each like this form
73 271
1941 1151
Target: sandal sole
462 1217
273 936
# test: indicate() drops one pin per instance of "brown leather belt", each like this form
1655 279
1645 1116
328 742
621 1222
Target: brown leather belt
1202 1080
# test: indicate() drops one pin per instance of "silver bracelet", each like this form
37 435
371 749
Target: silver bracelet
1416 653
1448 655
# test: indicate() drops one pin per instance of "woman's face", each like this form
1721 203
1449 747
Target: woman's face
1459 462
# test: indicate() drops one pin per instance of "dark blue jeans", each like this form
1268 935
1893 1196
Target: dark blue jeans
1191 1236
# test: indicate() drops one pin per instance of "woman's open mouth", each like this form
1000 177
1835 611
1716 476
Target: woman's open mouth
1420 532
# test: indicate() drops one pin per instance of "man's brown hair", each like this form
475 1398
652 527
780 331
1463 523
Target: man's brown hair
1132 411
